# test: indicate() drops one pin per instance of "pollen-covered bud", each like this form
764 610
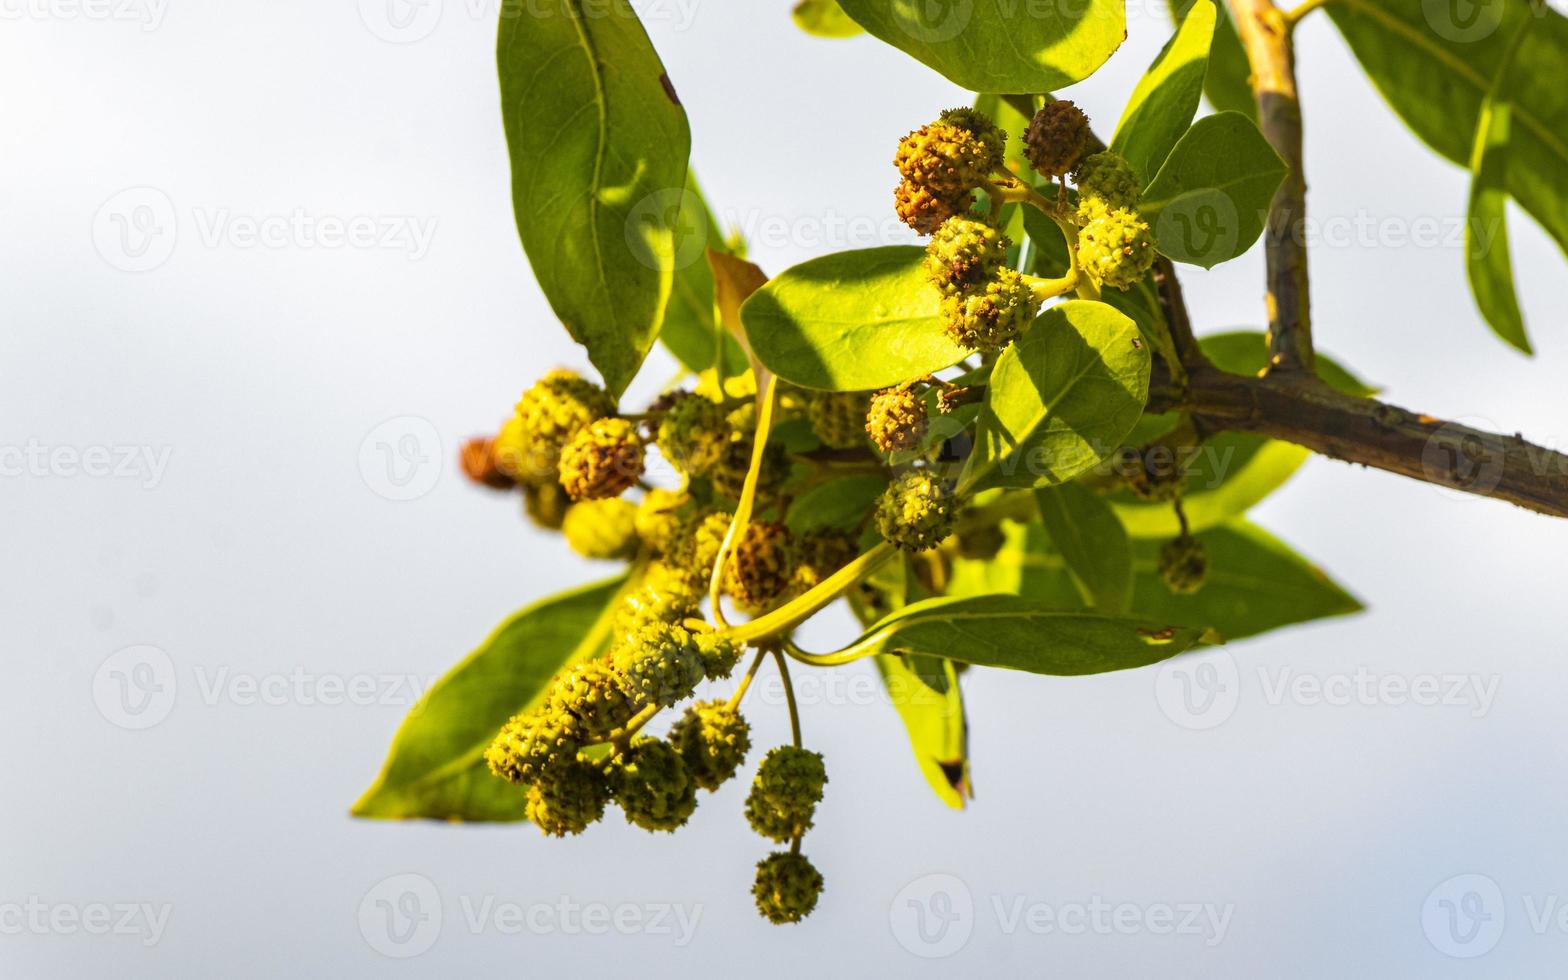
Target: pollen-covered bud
589 692
719 655
662 516
698 548
548 415
567 798
603 459
545 504
692 434
729 476
531 742
991 317
713 740
658 664
602 528
920 209
964 253
979 125
1057 136
1105 182
916 511
838 417
663 597
951 156
787 887
760 567
1116 249
478 462
896 421
785 793
821 553
652 785
1184 564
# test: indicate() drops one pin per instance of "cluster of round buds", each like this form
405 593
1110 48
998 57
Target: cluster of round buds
712 739
964 254
915 512
479 465
991 316
568 798
760 568
592 694
604 459
1184 564
1106 182
838 417
693 434
1057 136
659 664
785 793
697 548
897 421
1116 249
547 417
602 529
728 476
942 163
661 518
652 785
787 887
533 742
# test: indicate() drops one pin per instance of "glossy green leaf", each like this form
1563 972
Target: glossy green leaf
1089 535
1228 83
598 145
824 18
851 321
1061 398
1231 473
436 769
999 45
841 504
691 324
1016 633
1165 99
1435 62
1208 203
1247 352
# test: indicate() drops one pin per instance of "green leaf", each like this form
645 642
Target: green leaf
824 18
1247 352
1061 398
1231 473
1028 564
1255 583
598 144
999 45
436 769
841 504
691 325
1090 537
1435 63
1208 202
1163 103
1487 260
1229 81
851 321
1019 634
925 691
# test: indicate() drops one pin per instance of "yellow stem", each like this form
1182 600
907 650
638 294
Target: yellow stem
748 496
789 697
804 606
745 682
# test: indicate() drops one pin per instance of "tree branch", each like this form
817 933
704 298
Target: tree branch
1373 433
1265 33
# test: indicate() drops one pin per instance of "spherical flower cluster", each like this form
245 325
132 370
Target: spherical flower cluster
567 798
602 528
719 654
821 553
896 421
838 417
712 739
916 511
479 465
652 786
787 887
1116 249
963 254
729 476
760 567
532 742
1057 136
1184 564
548 415
545 504
603 459
785 793
942 163
922 210
1105 181
659 664
993 316
693 434
591 693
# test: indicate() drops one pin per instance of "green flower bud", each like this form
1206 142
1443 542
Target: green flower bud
568 797
603 460
713 740
916 511
659 664
589 692
693 434
664 597
729 476
761 566
785 793
990 317
1116 249
602 528
697 549
838 417
897 421
964 253
924 211
545 504
531 742
1057 136
1184 564
662 517
787 887
821 553
979 125
719 655
1105 182
548 416
652 786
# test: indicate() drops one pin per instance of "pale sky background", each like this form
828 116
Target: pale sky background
249 545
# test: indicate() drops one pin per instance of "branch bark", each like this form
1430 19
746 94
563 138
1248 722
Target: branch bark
1265 33
1373 433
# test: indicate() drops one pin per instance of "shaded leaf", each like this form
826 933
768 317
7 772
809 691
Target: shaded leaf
1487 261
1231 473
1228 83
691 326
1088 534
841 504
